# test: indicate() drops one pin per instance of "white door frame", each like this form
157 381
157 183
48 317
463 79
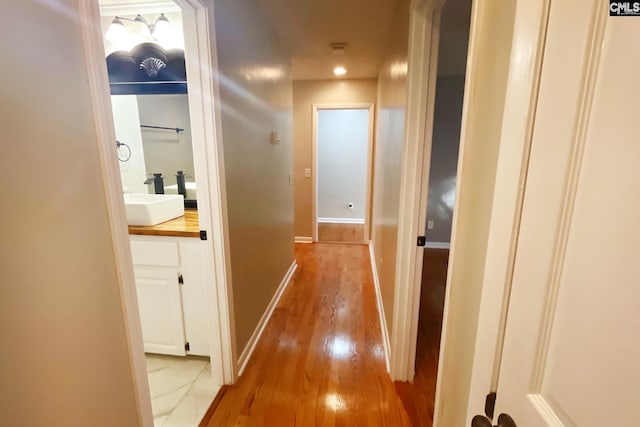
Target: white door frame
314 161
524 73
424 38
525 67
204 104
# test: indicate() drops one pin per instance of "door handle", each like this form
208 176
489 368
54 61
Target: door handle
504 420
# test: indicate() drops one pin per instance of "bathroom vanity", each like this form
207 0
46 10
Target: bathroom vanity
168 268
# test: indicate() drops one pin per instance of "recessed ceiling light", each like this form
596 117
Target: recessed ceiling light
340 71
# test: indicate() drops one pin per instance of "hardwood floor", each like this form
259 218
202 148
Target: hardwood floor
320 361
419 397
347 233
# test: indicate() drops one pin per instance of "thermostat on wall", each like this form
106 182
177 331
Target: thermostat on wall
275 138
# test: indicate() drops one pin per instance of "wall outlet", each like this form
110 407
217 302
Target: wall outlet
430 224
307 172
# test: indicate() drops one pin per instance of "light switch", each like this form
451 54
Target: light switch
275 138
307 172
430 224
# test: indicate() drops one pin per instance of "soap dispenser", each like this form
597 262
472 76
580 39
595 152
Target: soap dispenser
158 183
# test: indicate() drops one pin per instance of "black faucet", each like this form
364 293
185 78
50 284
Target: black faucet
158 183
180 180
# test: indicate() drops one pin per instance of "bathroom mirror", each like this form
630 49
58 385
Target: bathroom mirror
154 137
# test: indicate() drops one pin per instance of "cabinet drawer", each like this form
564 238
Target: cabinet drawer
155 253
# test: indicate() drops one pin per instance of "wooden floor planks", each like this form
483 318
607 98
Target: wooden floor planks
320 361
419 397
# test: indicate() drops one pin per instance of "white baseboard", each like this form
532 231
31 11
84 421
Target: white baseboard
437 245
300 239
383 320
257 333
341 220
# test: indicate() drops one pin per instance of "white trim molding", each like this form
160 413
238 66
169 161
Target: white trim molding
341 221
301 239
437 245
257 333
380 305
103 119
206 118
139 7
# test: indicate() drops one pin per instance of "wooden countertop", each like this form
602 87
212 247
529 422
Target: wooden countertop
184 226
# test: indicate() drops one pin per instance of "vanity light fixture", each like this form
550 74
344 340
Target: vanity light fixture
339 70
141 30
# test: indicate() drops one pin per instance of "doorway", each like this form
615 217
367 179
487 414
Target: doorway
436 208
342 141
152 121
146 265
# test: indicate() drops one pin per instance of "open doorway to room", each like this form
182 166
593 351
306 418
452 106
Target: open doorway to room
158 137
343 140
437 212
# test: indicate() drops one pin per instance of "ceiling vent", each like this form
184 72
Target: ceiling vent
338 48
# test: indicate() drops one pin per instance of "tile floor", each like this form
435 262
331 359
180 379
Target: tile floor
181 389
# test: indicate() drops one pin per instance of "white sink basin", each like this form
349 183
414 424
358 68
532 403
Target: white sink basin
152 209
192 193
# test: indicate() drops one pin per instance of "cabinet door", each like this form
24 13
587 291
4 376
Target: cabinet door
160 305
194 297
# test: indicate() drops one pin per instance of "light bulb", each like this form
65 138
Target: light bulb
140 29
117 33
163 32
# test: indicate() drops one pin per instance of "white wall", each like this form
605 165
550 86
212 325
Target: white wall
166 151
256 98
342 145
127 125
444 157
64 358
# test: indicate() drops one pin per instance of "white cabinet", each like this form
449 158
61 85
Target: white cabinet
171 294
160 305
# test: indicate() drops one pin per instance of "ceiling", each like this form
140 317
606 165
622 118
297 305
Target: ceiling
307 27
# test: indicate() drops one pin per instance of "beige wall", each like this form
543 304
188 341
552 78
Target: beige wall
391 108
305 94
255 91
480 142
64 358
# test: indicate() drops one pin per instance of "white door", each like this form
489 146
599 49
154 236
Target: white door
160 305
572 343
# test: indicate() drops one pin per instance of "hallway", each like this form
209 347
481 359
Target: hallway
320 361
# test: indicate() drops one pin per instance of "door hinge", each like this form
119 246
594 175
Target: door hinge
422 240
187 347
490 404
203 234
180 279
